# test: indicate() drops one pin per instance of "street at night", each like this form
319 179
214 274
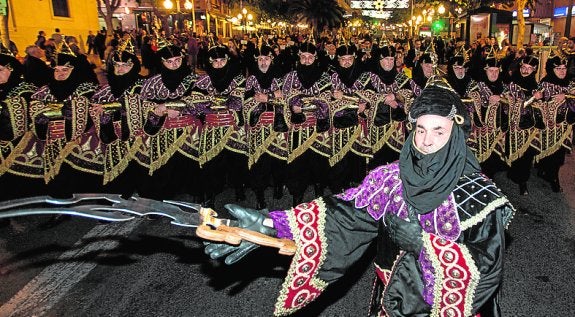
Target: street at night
146 267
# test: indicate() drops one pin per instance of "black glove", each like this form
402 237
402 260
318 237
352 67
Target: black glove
248 218
407 235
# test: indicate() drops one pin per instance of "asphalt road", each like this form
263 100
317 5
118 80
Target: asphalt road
148 267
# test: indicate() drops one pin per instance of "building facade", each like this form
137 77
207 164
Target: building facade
73 18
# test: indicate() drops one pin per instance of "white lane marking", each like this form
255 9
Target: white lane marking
53 283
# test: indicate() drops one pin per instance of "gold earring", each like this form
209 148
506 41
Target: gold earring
458 119
409 126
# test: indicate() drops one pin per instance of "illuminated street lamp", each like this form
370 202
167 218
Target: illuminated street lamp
244 18
188 5
441 9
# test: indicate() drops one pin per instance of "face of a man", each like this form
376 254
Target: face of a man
306 58
264 63
172 63
427 69
492 73
387 63
330 49
417 45
122 68
459 71
432 132
526 70
5 72
346 61
399 59
560 71
62 72
219 63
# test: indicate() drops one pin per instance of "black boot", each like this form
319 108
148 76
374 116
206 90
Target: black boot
209 201
523 189
297 199
261 200
318 190
240 193
555 186
278 192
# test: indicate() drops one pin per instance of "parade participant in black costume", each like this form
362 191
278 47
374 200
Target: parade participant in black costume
490 121
558 114
457 74
392 93
120 118
423 70
63 130
523 94
263 106
438 222
14 122
218 96
307 92
350 147
171 128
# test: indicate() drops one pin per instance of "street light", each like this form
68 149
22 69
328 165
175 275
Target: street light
188 5
244 18
441 9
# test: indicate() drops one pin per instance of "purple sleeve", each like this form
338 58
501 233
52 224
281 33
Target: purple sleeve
281 224
234 103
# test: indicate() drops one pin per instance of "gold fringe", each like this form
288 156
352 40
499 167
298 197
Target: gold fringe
217 145
343 150
114 165
162 140
258 149
551 145
517 149
302 147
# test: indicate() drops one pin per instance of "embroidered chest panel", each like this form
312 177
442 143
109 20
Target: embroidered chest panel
154 88
472 199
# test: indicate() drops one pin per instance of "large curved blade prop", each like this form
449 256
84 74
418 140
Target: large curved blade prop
112 207
109 207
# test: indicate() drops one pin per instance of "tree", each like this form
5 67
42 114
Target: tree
317 13
111 6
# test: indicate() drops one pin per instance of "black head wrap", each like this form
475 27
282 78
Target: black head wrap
62 89
221 78
172 78
387 77
428 179
496 87
119 84
418 74
264 79
309 74
459 85
350 74
529 83
15 75
384 51
550 76
343 50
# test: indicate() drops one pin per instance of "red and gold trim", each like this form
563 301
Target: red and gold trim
456 276
301 286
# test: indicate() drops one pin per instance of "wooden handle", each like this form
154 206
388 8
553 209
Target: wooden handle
235 235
